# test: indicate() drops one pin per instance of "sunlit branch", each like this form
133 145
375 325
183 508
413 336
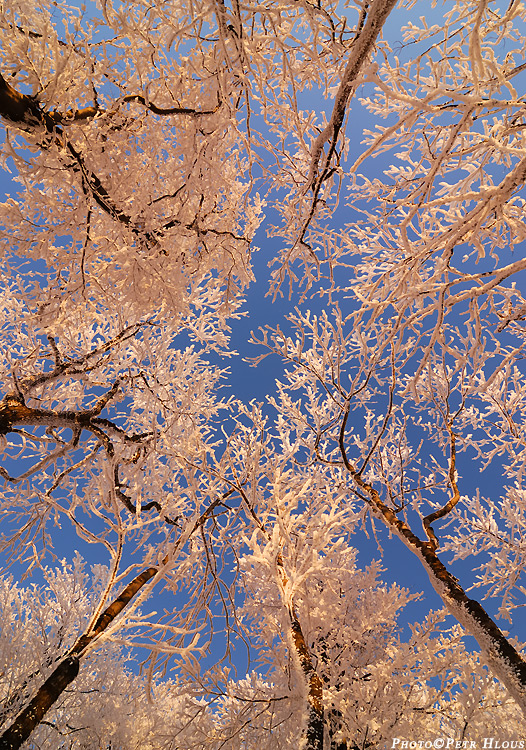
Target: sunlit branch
67 366
385 420
377 14
25 112
51 458
314 684
64 674
455 497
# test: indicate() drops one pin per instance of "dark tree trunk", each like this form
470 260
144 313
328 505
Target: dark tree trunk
64 674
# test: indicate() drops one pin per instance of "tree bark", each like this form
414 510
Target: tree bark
68 669
32 715
502 658
315 721
22 110
315 712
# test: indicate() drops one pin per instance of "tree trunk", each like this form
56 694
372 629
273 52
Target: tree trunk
502 658
315 723
64 674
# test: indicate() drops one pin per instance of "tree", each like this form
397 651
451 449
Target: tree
438 374
359 644
143 136
38 624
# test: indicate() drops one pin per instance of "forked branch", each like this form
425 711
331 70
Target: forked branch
455 497
25 112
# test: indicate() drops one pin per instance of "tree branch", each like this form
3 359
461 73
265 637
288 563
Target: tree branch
361 48
65 672
505 661
441 512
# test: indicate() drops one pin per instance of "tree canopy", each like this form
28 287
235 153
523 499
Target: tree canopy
183 567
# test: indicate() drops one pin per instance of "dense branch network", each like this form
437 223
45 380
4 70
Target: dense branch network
25 112
140 207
